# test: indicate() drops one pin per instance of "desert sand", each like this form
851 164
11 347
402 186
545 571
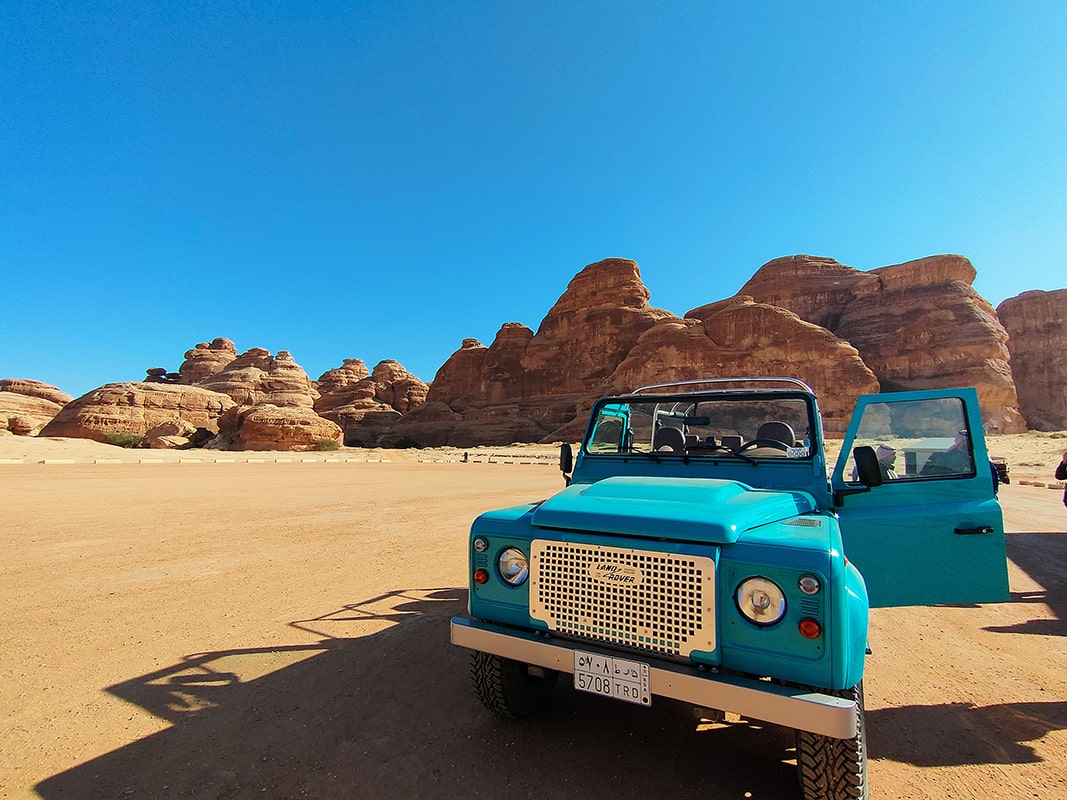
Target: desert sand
237 625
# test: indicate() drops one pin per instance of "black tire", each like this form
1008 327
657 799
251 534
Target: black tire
510 688
835 769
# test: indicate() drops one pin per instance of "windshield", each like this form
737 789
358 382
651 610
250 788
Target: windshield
757 425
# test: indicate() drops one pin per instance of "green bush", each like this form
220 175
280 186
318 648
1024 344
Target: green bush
326 444
123 438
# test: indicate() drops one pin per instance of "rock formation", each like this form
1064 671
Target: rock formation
270 427
1037 330
172 435
206 359
366 405
256 377
745 338
26 406
135 408
917 325
525 386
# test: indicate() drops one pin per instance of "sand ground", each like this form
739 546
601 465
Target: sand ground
273 628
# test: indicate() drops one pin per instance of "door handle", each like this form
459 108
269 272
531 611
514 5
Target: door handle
972 531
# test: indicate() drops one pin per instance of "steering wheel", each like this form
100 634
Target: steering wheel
763 443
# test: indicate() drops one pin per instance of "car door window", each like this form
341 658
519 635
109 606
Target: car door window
917 440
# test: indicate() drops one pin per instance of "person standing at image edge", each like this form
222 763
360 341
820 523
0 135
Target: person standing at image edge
1061 474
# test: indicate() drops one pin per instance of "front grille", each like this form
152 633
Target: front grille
660 602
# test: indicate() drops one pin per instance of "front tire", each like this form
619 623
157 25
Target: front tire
509 688
835 769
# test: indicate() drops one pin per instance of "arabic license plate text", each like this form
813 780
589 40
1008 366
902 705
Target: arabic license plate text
612 677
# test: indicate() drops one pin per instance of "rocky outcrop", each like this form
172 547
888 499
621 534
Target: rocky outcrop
366 405
1037 330
914 325
917 325
257 378
589 331
26 406
740 337
526 386
816 289
270 427
136 408
205 360
171 435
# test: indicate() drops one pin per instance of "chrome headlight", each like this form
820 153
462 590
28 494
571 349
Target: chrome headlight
761 600
513 566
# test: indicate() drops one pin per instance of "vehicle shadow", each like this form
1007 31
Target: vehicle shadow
1042 556
391 714
954 734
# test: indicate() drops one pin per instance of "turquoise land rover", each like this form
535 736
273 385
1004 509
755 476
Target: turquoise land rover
701 552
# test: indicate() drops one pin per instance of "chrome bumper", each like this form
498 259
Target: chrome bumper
794 708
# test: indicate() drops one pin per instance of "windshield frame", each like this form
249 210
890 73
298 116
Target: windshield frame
683 410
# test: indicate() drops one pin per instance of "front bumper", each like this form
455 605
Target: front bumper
794 708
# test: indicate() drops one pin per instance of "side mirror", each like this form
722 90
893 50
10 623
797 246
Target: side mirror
566 462
867 468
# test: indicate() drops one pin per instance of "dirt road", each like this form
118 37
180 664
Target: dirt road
280 630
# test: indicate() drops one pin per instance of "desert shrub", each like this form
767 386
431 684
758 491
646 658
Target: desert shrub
326 444
123 438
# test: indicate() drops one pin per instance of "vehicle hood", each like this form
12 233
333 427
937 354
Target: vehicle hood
687 509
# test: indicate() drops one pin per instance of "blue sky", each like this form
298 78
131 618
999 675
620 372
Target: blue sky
383 179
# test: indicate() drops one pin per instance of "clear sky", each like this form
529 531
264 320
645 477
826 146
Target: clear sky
383 179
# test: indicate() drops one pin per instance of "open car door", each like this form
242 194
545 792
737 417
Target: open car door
932 532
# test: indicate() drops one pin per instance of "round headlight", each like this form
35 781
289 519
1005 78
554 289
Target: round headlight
513 566
761 600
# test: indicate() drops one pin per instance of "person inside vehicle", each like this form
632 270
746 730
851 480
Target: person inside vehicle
887 460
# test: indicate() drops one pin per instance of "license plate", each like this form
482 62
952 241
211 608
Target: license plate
612 677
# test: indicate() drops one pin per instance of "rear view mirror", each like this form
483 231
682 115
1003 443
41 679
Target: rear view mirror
566 461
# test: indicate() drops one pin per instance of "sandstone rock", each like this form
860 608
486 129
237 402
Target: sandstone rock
589 330
22 425
136 408
332 383
255 377
30 388
742 338
171 435
526 386
921 325
206 359
917 325
270 427
26 406
1036 322
460 378
814 288
436 424
365 407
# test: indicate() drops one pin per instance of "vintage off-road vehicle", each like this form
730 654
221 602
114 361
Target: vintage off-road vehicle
701 552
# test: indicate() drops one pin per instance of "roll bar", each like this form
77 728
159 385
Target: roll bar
793 382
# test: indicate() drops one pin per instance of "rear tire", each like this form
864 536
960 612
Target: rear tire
509 688
835 769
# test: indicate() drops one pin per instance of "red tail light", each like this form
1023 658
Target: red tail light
809 628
